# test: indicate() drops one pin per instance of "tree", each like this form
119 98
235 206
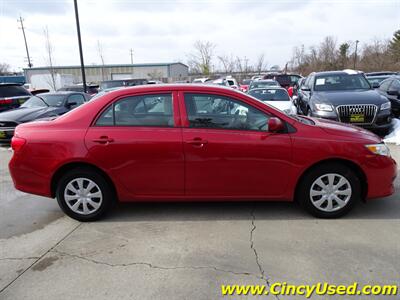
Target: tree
394 47
343 54
4 69
228 63
49 59
260 65
200 61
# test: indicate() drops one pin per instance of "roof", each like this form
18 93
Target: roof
110 66
343 72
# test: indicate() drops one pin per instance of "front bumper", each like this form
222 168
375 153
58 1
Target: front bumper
382 121
6 134
381 173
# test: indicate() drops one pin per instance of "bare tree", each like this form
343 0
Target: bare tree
260 65
228 63
200 61
4 69
101 56
49 59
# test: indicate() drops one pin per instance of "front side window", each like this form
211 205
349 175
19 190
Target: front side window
146 110
385 85
215 111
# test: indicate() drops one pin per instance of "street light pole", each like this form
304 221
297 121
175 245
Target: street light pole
355 55
80 45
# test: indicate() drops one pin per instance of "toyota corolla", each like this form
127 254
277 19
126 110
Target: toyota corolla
196 143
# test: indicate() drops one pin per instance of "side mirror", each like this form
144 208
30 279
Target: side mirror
393 92
71 104
375 85
275 125
305 89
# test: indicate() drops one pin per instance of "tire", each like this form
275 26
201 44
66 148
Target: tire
74 185
310 194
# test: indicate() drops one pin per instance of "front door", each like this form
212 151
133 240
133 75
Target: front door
229 151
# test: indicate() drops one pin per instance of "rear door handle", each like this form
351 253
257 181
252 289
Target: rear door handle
103 140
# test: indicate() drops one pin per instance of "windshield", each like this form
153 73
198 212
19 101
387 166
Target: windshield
270 94
377 79
34 102
339 82
53 100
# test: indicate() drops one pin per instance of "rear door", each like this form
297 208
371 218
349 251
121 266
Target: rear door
228 150
138 141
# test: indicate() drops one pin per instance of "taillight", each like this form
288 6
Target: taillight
17 143
6 101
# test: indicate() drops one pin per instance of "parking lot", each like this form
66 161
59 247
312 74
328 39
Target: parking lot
187 250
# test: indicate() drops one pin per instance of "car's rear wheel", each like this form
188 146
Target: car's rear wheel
329 191
84 195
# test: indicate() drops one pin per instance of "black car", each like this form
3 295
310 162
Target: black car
91 89
345 96
43 106
376 80
122 82
390 88
12 95
284 80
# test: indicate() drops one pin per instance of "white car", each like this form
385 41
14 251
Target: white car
277 97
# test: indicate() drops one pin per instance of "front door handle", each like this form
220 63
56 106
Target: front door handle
103 140
197 142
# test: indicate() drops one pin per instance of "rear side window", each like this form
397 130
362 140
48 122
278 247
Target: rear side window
146 110
12 91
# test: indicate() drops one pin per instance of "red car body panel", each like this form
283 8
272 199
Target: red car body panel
181 163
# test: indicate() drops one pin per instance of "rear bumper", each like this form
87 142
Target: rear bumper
26 179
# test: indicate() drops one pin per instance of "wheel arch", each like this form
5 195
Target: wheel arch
75 165
348 163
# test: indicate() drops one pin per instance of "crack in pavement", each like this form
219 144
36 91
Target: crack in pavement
252 246
152 266
19 258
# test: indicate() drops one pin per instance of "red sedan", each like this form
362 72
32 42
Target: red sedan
196 142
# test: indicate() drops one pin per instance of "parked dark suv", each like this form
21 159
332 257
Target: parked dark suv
12 95
345 96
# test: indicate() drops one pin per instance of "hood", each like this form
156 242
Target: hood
346 130
26 114
349 97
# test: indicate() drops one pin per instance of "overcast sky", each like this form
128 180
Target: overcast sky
164 31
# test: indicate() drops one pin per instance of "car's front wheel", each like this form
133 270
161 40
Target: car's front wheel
84 195
329 191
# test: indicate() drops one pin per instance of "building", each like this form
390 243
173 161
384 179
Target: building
167 72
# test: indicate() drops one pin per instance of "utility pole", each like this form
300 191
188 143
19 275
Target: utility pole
26 44
131 51
78 29
355 55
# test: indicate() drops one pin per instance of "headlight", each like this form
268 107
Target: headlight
386 105
379 149
323 107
